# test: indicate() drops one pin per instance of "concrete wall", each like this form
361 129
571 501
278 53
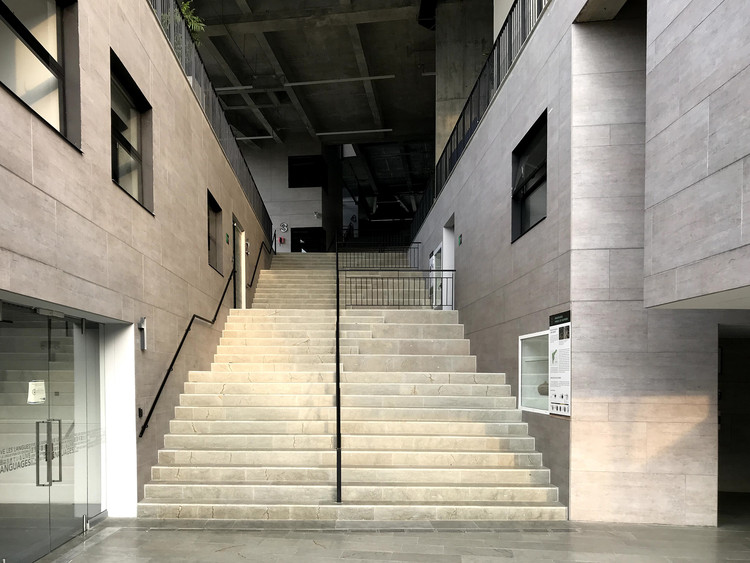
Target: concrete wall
70 236
463 39
697 147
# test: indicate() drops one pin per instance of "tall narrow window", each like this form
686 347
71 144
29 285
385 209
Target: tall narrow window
214 233
31 64
530 179
129 138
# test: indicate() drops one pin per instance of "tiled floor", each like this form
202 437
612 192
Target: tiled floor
163 541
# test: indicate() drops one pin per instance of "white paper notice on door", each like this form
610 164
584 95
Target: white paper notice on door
37 392
559 363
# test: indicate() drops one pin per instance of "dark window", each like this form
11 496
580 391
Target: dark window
308 172
31 64
129 136
530 179
214 233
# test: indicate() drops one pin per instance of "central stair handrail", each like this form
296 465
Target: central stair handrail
179 348
338 380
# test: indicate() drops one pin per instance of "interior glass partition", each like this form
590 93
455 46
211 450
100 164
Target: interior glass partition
50 430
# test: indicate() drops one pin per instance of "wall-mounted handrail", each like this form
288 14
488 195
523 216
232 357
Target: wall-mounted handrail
179 348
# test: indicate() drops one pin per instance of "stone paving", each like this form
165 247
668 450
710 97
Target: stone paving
165 541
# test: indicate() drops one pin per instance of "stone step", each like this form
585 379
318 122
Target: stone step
298 389
412 443
454 492
439 459
276 305
250 353
412 330
252 400
413 362
249 442
410 346
244 458
247 335
248 315
425 389
281 326
329 339
253 426
290 358
408 316
211 474
426 401
357 511
284 413
301 376
423 377
430 414
426 428
316 364
305 492
353 476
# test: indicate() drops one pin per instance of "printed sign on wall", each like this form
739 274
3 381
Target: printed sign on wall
559 363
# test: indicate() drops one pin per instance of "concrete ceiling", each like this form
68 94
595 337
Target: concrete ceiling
336 71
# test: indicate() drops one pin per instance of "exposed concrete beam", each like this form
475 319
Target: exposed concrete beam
600 10
234 89
354 132
279 70
229 73
291 20
250 141
359 54
244 8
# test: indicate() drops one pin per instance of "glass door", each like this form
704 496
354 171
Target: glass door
49 381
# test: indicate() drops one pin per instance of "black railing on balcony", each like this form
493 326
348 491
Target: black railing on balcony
398 289
170 17
518 26
370 256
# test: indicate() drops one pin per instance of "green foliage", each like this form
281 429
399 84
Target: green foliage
194 22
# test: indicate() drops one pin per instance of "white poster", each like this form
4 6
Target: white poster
37 393
559 364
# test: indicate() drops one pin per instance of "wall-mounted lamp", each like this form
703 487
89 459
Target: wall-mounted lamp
142 331
317 214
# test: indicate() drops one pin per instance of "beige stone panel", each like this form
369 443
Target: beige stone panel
665 412
36 279
590 271
608 446
689 448
61 171
627 497
162 288
701 500
81 247
591 136
626 274
607 222
595 331
27 219
15 142
6 258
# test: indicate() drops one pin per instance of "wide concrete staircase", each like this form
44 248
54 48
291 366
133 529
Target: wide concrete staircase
424 436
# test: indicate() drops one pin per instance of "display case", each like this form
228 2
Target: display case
533 372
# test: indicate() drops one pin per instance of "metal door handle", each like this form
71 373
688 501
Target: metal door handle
59 453
48 483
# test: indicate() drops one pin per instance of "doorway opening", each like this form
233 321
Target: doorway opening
734 425
239 260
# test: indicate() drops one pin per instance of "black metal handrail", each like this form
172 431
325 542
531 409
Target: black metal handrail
372 256
338 380
179 348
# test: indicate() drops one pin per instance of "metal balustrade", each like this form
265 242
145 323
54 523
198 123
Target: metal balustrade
173 24
518 27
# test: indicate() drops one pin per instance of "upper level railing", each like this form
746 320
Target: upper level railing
170 17
518 26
